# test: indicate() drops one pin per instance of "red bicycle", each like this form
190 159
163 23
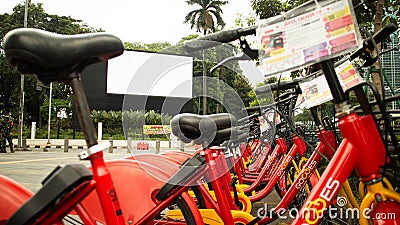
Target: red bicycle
361 149
106 193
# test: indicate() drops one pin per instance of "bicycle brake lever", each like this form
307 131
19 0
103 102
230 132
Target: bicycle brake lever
238 57
244 45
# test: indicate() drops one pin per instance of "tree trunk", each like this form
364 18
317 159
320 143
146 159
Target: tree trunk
204 81
204 84
377 78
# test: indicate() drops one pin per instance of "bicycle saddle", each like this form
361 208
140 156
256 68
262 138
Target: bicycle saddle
52 57
240 138
207 130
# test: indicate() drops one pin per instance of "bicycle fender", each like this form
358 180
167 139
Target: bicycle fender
12 196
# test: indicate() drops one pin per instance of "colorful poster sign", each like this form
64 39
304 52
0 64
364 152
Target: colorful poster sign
348 75
316 91
319 34
270 116
156 129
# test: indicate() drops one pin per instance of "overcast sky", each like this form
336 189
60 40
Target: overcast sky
145 21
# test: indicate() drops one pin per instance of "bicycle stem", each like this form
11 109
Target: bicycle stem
328 68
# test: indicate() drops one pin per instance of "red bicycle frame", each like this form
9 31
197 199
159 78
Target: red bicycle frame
69 190
361 149
273 158
298 147
325 147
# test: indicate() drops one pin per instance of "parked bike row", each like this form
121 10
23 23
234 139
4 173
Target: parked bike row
239 160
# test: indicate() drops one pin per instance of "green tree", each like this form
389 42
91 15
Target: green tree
269 8
245 21
10 78
151 47
206 18
189 37
392 12
304 116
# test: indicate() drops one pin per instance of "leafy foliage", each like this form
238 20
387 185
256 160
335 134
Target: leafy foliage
133 120
392 12
245 21
152 47
220 99
10 82
129 122
207 17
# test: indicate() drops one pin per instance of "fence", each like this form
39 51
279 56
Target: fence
105 131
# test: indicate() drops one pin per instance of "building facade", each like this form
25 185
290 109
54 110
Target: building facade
390 60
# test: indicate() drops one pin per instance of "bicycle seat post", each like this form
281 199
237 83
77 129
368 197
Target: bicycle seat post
83 111
106 191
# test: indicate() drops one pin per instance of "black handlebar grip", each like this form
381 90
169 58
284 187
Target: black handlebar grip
378 38
382 34
283 85
214 39
253 109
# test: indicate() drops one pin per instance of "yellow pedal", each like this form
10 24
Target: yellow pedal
211 217
246 205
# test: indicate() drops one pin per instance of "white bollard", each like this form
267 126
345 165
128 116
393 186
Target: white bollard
129 145
99 131
33 130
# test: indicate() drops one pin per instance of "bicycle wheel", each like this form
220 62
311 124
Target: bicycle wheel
179 212
136 187
241 218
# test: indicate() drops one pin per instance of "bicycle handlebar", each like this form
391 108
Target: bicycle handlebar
368 43
262 107
283 85
214 39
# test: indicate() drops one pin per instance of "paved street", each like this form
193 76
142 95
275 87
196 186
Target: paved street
29 168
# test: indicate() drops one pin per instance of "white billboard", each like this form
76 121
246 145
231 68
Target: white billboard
150 74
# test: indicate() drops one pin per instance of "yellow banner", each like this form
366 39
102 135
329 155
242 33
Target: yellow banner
156 129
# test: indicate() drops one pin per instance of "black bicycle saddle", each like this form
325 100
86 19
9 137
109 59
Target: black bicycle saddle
206 130
52 57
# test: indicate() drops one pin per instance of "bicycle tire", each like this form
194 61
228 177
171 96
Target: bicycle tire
183 204
201 203
183 212
123 170
186 211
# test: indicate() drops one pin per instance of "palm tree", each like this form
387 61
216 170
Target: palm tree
206 18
